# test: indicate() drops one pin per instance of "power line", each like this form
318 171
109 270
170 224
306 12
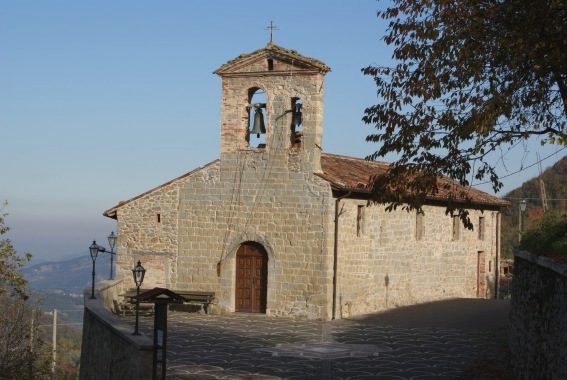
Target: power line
522 169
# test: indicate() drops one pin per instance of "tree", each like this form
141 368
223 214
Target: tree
12 280
23 354
547 236
473 78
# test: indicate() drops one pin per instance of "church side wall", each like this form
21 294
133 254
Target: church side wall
147 231
387 266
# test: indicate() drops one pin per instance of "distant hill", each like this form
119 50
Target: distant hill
69 276
555 180
60 284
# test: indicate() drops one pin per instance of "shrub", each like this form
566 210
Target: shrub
547 236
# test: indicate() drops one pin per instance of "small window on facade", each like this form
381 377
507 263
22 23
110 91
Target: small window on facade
158 217
490 266
481 228
456 227
360 221
270 64
419 226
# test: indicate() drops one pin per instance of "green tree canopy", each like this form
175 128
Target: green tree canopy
12 281
472 77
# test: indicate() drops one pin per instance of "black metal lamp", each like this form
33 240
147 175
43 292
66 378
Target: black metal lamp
112 243
95 249
138 272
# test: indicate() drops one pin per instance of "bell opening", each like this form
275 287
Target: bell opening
256 135
296 126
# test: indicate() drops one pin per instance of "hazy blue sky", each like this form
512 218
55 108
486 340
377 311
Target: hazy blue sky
103 100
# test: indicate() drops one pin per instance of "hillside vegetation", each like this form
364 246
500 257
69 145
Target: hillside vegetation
555 180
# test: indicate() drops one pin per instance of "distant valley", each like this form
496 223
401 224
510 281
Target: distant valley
60 284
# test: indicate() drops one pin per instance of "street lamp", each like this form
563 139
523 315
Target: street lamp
112 244
95 249
523 204
138 272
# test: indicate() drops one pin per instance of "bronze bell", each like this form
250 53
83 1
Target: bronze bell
296 116
258 126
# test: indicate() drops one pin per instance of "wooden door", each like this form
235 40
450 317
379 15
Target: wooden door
251 278
481 275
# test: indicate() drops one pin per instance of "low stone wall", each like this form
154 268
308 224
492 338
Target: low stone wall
109 350
538 320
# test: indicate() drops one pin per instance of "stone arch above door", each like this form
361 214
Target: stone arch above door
251 237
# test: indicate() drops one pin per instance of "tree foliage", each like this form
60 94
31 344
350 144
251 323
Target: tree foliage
23 354
12 280
555 180
473 77
547 236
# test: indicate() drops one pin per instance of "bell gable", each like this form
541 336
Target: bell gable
272 60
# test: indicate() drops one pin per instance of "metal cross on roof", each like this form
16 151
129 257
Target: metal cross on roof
272 27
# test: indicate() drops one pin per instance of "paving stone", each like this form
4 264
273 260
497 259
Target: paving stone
246 346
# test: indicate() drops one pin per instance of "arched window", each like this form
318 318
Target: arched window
257 117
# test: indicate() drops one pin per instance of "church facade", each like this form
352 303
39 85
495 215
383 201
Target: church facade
276 226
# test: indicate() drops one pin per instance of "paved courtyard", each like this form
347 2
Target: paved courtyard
462 338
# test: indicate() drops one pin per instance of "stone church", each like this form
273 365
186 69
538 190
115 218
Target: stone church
276 226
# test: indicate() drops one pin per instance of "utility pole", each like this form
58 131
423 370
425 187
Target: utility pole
542 186
30 375
54 338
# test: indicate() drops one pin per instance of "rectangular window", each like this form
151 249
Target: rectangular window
481 228
456 227
419 226
158 217
360 221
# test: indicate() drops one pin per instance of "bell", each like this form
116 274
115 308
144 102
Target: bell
296 116
258 126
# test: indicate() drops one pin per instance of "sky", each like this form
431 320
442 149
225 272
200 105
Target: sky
101 101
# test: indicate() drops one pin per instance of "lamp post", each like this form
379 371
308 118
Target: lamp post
112 243
95 249
523 204
138 272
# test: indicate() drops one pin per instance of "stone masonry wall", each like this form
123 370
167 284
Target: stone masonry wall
538 320
261 200
147 231
388 267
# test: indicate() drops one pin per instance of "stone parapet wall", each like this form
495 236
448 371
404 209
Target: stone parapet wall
109 351
538 320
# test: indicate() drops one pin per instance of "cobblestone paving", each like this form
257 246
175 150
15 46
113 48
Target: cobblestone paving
251 346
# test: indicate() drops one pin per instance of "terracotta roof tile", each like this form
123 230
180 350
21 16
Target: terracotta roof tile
354 174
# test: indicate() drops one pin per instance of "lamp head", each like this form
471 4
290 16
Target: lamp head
112 241
138 272
523 205
94 250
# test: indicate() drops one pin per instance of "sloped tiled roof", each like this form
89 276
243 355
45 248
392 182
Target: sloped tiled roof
277 52
354 174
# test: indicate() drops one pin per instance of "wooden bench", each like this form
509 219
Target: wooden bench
129 308
204 299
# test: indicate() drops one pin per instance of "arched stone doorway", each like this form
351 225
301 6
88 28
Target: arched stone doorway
251 278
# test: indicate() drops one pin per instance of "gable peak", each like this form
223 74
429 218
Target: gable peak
271 50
